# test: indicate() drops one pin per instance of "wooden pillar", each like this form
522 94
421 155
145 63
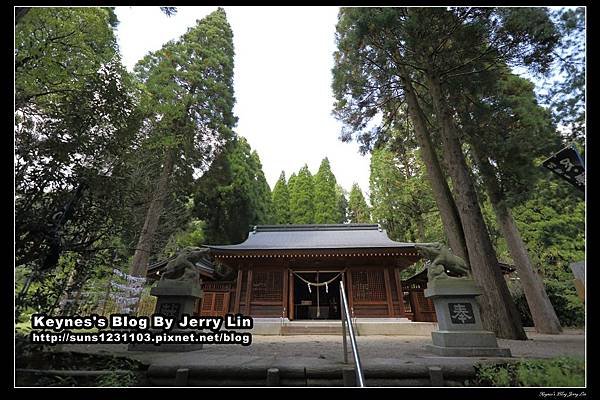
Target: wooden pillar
238 290
249 290
284 296
291 286
349 290
400 291
388 293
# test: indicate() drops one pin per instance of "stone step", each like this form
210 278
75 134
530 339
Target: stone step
311 328
363 327
297 373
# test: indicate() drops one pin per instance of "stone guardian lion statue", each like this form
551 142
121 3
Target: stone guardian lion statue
182 268
441 260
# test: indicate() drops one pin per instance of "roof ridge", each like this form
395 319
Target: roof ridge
315 227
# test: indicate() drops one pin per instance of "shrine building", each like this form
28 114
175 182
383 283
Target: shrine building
293 272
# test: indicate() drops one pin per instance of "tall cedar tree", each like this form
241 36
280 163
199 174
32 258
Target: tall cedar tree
383 52
342 204
401 198
302 189
327 209
190 101
375 88
358 210
233 195
281 201
509 133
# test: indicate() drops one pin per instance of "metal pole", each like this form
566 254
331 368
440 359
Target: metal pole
344 330
359 373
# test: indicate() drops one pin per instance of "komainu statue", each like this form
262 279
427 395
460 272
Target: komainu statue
182 267
442 260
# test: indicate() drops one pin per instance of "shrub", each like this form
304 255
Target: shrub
557 372
569 308
563 296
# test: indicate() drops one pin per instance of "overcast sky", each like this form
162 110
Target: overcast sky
283 61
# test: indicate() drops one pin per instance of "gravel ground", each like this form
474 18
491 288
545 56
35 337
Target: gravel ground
329 349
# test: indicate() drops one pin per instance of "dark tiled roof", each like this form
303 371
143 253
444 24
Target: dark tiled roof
296 237
205 267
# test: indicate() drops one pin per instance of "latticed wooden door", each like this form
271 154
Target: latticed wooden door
368 286
215 304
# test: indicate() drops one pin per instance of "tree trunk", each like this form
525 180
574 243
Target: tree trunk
139 265
443 197
499 312
542 311
418 218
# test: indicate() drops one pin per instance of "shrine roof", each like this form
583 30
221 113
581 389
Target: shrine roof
308 237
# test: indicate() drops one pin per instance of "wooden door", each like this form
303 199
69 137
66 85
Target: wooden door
423 308
370 297
214 304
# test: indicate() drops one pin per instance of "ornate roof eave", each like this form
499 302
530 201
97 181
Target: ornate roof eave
410 252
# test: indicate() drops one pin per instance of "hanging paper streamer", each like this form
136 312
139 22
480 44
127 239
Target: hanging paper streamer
132 280
125 301
125 288
127 295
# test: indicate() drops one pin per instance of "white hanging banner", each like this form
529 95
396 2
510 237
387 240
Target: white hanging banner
125 288
125 300
137 280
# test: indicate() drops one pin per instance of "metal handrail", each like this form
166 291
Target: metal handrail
346 319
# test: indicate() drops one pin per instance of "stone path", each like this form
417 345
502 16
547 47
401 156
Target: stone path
327 351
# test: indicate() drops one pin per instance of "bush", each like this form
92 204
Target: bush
557 372
563 296
569 308
117 380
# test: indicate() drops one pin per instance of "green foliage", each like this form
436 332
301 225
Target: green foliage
567 304
74 119
233 195
281 201
312 199
401 198
358 209
375 44
342 204
191 236
552 224
302 207
553 372
117 379
508 126
566 96
326 198
189 94
57 50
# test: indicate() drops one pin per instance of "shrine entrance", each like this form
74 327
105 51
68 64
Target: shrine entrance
316 295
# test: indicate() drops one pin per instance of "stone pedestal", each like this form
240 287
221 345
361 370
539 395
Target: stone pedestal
174 298
460 332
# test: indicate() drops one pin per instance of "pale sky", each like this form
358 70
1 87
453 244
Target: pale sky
282 82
